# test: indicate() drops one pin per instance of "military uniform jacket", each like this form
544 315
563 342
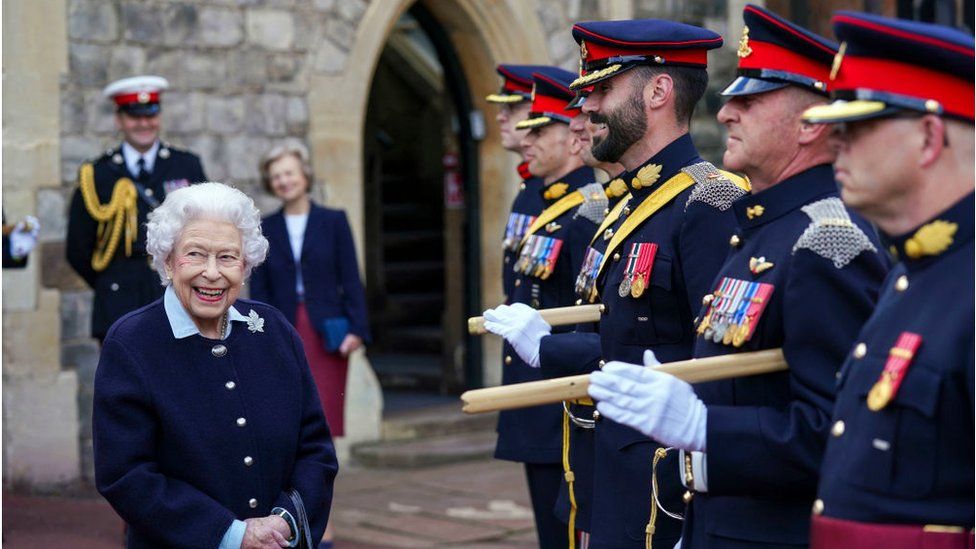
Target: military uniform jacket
191 433
534 435
905 455
330 273
803 274
127 283
527 205
691 236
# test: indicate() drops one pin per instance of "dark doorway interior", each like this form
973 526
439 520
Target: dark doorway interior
421 253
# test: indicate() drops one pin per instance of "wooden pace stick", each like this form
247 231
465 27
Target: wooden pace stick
557 316
550 391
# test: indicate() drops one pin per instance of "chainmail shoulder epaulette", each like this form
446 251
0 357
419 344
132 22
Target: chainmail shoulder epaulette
712 186
594 204
831 233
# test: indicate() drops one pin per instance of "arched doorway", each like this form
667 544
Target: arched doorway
421 212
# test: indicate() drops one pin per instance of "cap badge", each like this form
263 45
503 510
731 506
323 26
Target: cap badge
932 239
646 176
532 97
838 59
143 97
744 49
583 52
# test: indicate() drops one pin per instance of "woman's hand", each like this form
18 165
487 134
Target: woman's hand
350 344
268 532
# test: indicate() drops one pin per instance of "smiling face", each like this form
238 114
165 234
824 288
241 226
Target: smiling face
206 266
139 131
288 181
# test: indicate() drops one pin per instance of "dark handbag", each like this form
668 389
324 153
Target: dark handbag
301 521
333 331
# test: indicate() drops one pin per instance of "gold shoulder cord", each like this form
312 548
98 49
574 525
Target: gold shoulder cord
570 478
120 212
659 454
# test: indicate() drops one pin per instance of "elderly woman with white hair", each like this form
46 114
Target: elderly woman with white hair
208 430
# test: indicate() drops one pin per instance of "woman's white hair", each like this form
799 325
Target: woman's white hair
215 201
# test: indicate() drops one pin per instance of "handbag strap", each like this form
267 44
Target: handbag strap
304 530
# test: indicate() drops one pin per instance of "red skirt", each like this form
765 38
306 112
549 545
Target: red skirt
329 370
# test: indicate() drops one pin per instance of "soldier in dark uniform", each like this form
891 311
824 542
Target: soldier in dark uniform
802 274
544 278
514 101
898 471
106 221
661 247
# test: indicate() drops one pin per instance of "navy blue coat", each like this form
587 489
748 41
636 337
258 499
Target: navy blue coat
766 434
528 202
691 232
127 283
169 449
911 462
534 435
330 272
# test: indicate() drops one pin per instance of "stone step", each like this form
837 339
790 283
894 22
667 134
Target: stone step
425 452
435 421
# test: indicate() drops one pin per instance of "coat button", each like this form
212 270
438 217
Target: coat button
114 286
248 461
521 186
901 284
149 192
602 363
252 503
596 415
860 350
616 257
579 301
707 299
230 385
508 259
838 428
818 507
508 359
241 422
735 240
518 282
218 351
626 210
687 497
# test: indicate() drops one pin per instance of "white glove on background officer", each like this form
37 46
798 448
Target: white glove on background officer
659 405
521 326
24 237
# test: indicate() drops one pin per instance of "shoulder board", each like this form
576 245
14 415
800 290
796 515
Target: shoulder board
715 187
594 204
832 234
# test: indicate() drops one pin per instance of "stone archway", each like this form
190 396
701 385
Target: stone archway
483 36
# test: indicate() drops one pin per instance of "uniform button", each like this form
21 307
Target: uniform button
735 240
230 385
616 256
838 374
114 286
596 415
838 428
518 282
579 301
508 259
606 212
521 186
707 299
149 192
860 350
818 507
687 497
252 503
602 363
626 210
508 359
902 283
241 422
603 309
248 461
218 351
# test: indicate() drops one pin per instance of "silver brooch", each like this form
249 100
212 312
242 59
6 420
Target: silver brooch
254 322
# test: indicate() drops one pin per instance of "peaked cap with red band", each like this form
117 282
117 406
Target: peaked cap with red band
608 48
137 95
517 84
551 98
775 53
886 65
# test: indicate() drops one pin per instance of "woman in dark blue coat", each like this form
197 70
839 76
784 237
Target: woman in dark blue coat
312 276
206 417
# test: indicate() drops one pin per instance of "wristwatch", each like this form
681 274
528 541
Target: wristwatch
283 513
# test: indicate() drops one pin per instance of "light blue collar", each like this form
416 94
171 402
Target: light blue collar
180 321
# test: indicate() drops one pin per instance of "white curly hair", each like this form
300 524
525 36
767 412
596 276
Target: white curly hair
211 200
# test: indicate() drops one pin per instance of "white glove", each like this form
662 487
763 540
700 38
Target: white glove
659 405
521 326
24 237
